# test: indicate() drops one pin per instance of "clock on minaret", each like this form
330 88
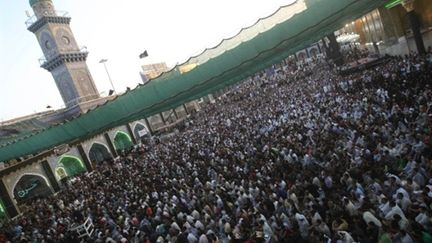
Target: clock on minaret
64 59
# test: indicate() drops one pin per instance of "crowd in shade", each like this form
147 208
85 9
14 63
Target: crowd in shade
302 155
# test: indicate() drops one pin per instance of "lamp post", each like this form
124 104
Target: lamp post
415 25
103 61
141 56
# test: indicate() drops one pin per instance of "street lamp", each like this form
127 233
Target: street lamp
109 77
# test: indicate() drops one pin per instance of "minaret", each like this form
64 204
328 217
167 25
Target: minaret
64 59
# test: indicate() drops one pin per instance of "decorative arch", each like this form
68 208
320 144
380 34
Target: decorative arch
71 164
302 55
31 174
122 141
139 127
314 52
99 152
29 186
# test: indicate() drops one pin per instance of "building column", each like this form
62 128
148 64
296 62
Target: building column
212 99
7 201
319 47
132 135
415 25
175 114
110 145
197 106
324 46
85 158
148 126
163 118
51 177
186 110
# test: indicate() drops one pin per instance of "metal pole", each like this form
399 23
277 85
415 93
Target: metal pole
185 108
109 77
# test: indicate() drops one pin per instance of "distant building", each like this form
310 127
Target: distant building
187 67
151 71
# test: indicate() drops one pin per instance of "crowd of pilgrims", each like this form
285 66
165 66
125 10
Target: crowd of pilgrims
302 155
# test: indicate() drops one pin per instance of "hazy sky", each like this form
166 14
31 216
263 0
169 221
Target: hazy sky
171 31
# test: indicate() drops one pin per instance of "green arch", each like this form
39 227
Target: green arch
122 141
3 213
72 165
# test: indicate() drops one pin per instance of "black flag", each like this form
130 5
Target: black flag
144 54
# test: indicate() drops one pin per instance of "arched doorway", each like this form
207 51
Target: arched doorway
313 52
31 186
71 165
99 152
301 56
140 131
122 141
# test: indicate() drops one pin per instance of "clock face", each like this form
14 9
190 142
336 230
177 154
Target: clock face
66 40
48 44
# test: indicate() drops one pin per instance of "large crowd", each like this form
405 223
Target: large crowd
302 155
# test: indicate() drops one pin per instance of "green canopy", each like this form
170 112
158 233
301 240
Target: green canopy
255 48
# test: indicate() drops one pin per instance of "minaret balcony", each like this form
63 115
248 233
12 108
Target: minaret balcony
64 57
60 17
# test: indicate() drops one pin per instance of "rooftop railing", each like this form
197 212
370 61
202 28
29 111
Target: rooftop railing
33 19
43 59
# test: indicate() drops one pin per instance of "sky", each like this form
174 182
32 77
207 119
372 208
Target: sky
171 31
